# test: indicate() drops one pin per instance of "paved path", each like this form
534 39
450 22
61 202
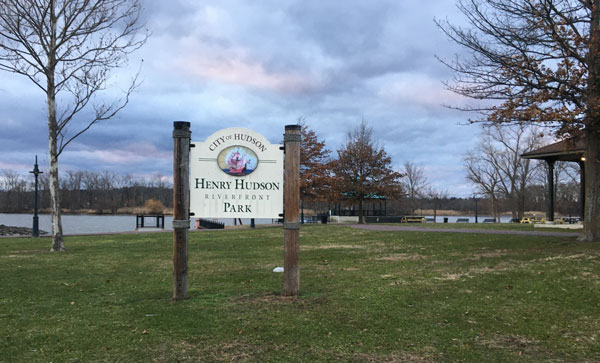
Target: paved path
381 227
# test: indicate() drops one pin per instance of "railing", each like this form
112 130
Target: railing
208 224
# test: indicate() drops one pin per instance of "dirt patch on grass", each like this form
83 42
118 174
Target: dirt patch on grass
523 345
501 267
332 246
275 298
579 256
243 351
235 351
231 351
451 277
402 257
488 254
26 253
374 357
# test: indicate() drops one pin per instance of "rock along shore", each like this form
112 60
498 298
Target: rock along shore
11 231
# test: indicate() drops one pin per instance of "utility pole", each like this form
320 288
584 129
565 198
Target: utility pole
35 232
476 200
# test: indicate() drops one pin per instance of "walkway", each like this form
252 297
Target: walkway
387 228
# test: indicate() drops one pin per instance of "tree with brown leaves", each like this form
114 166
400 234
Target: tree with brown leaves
314 165
363 170
538 61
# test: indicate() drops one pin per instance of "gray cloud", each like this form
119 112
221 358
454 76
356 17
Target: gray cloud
262 65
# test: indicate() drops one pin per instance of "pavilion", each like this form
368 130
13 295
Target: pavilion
572 150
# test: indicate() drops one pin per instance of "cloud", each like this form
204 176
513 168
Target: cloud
262 65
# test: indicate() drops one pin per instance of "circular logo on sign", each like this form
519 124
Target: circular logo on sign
237 160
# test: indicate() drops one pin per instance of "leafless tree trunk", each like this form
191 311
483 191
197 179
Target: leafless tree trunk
414 183
506 144
482 173
67 48
436 196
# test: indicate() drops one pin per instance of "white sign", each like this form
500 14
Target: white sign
236 173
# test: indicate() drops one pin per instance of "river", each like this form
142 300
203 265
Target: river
89 223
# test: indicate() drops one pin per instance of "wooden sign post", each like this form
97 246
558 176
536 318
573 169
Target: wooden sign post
291 222
222 183
181 207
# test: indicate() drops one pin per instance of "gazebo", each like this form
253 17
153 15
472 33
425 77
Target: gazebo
572 150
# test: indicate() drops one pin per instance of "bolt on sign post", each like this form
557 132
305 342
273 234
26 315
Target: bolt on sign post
181 204
291 223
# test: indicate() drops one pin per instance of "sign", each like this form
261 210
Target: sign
236 173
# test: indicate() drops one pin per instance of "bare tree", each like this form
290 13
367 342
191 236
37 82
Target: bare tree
15 186
508 143
414 184
539 62
482 173
436 196
497 168
67 48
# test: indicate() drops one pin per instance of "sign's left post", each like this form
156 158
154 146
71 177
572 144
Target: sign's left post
181 207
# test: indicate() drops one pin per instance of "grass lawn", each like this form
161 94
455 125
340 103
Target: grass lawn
365 296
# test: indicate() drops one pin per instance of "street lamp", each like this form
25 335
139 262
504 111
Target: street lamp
476 200
36 225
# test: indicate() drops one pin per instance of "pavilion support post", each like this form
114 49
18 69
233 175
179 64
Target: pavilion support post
550 212
181 207
581 190
291 223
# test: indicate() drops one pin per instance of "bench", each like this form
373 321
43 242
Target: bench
412 220
462 220
140 221
310 220
489 220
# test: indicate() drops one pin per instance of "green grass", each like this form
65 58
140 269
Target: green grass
365 296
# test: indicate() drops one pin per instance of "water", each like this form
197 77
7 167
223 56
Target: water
480 219
86 223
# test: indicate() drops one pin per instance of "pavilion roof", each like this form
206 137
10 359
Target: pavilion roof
566 150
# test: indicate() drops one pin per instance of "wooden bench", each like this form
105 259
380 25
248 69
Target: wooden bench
140 221
489 220
412 220
462 220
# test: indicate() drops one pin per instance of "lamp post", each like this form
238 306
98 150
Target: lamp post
35 232
476 200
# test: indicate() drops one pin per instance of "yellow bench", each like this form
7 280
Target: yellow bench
412 220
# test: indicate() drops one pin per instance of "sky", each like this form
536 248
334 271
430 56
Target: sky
263 65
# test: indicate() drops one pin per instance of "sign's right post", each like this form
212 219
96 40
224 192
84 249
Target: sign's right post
291 214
